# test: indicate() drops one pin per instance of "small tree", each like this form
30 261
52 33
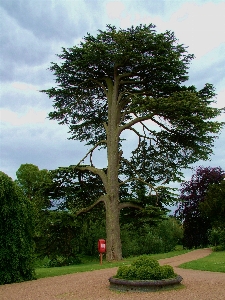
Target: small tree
193 196
213 206
16 233
132 81
36 185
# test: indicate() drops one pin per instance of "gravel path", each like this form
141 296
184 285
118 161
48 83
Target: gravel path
94 285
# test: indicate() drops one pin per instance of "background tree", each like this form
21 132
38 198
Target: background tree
132 80
36 185
74 189
16 233
151 237
213 206
193 196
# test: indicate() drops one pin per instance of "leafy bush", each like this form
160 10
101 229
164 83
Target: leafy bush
41 262
144 261
59 261
123 272
218 248
127 272
217 238
167 271
159 238
147 273
145 268
16 233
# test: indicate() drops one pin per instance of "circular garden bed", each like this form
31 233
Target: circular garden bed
145 274
144 285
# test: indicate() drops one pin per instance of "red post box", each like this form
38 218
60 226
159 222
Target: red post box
101 246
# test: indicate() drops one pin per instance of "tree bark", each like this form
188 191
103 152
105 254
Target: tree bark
113 246
113 240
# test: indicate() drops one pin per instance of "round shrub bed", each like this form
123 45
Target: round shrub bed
144 274
144 285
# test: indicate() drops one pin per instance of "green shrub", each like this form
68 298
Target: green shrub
218 248
167 272
145 261
41 262
146 273
16 233
60 261
122 272
149 239
217 238
145 268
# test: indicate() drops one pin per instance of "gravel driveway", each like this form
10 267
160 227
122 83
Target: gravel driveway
94 285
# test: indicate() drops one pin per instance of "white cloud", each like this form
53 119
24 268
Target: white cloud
198 26
114 9
24 86
32 116
201 27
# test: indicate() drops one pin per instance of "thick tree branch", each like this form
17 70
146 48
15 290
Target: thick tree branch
134 121
129 204
86 209
141 135
131 82
91 150
96 171
160 124
125 75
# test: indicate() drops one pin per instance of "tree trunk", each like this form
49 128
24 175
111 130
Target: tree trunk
113 241
113 246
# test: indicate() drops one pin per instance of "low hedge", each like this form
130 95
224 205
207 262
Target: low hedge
145 268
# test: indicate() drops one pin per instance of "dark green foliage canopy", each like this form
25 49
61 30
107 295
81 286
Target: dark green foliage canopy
35 184
16 233
75 189
193 197
142 73
213 206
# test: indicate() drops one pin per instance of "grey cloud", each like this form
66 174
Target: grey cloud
15 71
208 70
20 100
36 75
19 45
59 19
48 148
20 49
217 159
152 7
32 33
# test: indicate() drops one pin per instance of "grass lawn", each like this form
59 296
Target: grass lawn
215 262
90 266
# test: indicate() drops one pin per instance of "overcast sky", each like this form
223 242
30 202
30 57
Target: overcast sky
33 31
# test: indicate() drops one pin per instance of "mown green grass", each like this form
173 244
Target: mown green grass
91 266
215 262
